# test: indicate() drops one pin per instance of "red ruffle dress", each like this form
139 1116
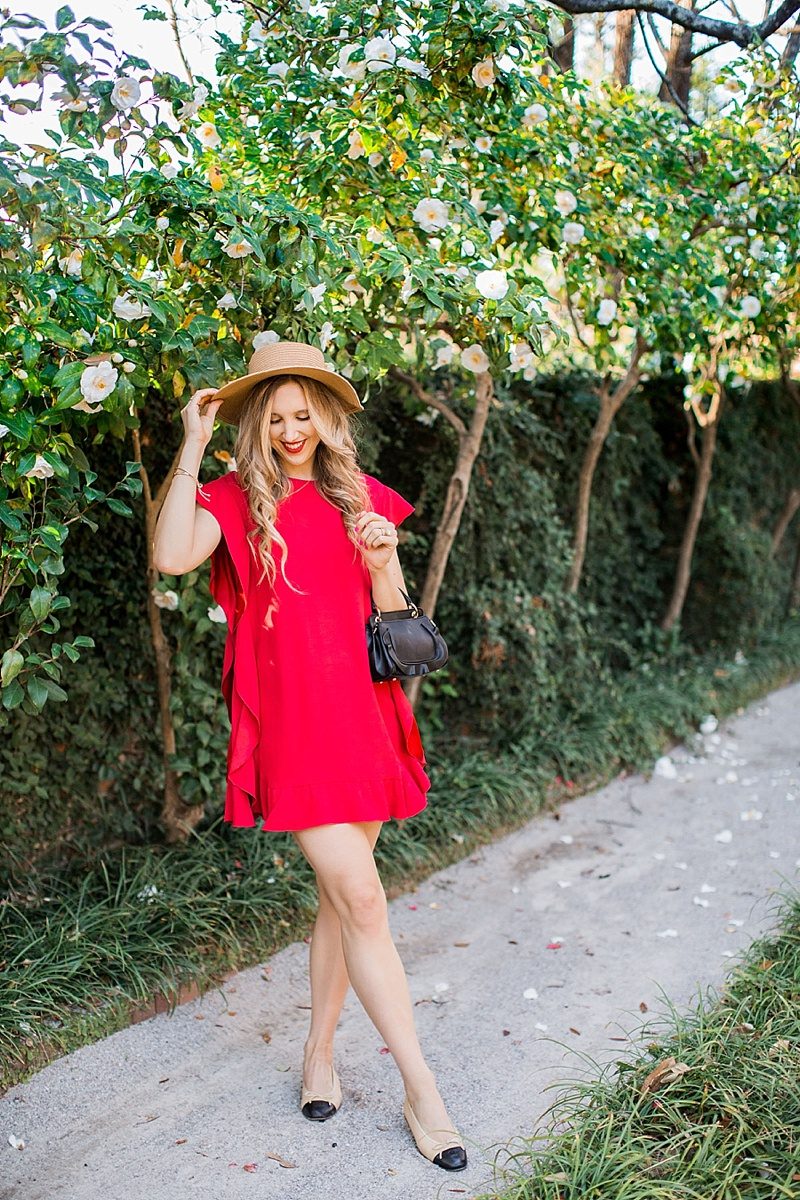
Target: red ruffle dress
313 739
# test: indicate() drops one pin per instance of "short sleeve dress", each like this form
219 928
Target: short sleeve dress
314 740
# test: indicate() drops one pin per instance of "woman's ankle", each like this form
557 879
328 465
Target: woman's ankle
321 1051
422 1083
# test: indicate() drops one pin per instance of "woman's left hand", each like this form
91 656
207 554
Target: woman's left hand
376 538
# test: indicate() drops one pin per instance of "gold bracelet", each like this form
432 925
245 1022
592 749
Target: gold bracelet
182 471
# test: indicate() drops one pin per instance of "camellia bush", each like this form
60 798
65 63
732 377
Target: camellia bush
416 191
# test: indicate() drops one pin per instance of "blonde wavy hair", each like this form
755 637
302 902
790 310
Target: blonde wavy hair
261 474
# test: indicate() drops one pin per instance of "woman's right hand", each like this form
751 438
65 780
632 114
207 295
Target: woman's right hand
198 416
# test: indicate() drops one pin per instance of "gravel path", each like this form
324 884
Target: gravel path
526 961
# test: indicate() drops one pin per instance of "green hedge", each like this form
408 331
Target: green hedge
528 661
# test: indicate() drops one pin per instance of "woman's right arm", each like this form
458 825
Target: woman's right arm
186 533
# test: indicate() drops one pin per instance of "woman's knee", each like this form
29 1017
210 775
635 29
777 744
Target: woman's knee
361 905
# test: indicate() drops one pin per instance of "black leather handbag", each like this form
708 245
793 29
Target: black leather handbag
403 642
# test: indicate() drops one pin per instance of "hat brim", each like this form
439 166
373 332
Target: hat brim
234 394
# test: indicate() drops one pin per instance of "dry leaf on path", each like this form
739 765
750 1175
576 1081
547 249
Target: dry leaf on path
282 1161
667 1071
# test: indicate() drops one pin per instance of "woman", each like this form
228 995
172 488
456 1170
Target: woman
300 538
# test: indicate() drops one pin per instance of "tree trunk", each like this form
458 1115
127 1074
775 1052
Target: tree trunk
623 47
791 49
677 83
177 819
610 404
701 485
469 445
564 52
794 593
791 505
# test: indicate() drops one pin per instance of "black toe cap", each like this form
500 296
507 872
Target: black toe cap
452 1159
318 1110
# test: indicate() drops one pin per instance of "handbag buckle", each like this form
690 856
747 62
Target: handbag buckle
409 604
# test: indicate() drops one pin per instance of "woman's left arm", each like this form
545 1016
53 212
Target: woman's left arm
385 583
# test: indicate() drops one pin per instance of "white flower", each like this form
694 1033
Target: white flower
128 367
128 309
467 248
351 284
379 54
750 306
231 464
281 69
375 158
445 354
475 200
227 301
208 136
431 215
416 68
566 202
492 284
483 72
408 288
162 223
318 292
17 1142
41 469
190 108
606 311
426 155
265 338
374 234
533 114
520 356
168 599
169 170
76 103
355 144
98 381
496 229
474 358
3 430
326 335
238 249
354 71
483 143
71 265
147 893
126 93
572 232
217 614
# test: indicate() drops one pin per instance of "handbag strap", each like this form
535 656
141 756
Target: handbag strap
409 604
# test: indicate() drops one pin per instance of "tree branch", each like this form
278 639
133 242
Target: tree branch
739 32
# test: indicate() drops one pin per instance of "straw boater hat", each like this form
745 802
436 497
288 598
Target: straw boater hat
283 358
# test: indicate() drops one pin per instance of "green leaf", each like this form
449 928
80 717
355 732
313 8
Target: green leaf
13 695
83 641
69 373
40 602
13 663
37 692
117 506
53 690
54 333
64 17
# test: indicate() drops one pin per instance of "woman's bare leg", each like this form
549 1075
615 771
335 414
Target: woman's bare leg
330 982
341 856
